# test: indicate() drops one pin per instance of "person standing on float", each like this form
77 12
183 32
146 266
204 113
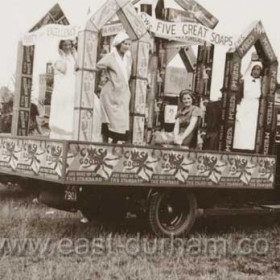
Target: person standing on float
62 100
248 109
115 94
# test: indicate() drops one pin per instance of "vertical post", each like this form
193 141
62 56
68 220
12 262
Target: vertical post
269 97
151 96
230 97
138 87
84 114
204 70
85 85
22 99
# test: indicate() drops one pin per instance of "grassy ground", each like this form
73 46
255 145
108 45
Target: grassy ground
37 242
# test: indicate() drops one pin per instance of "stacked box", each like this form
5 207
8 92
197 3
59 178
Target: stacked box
249 38
204 70
264 48
269 128
260 127
199 12
104 14
152 93
85 85
224 100
111 29
174 15
45 90
138 98
21 108
276 119
132 22
138 88
146 8
230 98
138 123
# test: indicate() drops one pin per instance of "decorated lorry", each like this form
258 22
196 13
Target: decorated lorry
169 186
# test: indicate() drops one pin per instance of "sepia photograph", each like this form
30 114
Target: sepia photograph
139 140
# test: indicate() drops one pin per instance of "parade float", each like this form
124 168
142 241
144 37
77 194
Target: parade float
167 185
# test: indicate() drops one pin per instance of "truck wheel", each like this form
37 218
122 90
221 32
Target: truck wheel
172 213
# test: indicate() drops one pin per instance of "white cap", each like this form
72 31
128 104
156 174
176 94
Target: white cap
256 63
120 37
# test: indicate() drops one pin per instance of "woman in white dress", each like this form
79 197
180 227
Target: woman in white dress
115 94
62 102
247 111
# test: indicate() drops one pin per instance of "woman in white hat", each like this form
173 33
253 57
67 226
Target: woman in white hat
247 110
115 94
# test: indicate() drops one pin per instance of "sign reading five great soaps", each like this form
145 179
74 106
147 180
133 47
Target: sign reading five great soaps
186 31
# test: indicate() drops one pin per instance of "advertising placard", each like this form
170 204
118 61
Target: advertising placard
266 47
28 57
132 22
138 101
23 120
112 29
249 38
174 15
154 166
105 13
32 158
198 12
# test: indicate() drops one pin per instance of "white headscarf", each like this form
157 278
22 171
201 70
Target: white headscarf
250 67
120 37
125 62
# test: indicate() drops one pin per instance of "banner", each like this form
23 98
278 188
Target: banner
186 31
155 166
119 165
58 31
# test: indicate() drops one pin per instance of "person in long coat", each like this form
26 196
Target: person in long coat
115 94
248 109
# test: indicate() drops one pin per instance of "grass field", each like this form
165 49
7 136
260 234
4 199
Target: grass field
37 242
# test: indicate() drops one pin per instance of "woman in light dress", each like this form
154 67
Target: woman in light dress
62 102
248 109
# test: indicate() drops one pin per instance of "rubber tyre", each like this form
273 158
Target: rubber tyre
184 216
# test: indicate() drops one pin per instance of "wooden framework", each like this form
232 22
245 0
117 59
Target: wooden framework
88 46
24 72
254 36
87 54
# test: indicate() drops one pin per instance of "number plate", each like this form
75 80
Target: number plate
70 193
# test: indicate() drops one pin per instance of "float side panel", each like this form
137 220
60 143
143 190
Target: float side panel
99 164
33 158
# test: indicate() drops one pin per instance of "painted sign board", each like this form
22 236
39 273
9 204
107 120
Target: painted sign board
167 167
32 158
86 163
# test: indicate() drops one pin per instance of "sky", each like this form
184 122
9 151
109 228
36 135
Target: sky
18 16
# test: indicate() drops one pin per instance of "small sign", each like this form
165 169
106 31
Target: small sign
170 112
